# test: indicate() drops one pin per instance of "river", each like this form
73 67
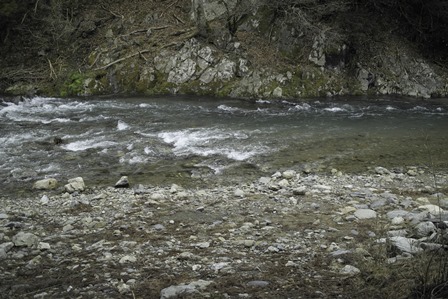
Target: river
187 139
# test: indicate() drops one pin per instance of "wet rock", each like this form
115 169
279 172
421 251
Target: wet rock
123 182
46 184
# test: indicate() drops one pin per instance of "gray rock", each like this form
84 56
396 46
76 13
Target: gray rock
74 185
398 213
25 239
184 289
425 229
381 170
349 270
289 174
3 216
443 203
299 190
5 247
365 214
128 259
123 182
404 244
46 184
238 193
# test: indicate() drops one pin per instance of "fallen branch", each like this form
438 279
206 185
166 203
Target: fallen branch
122 59
146 30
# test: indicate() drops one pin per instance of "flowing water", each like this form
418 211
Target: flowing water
163 140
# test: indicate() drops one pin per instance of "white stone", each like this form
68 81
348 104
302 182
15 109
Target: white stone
44 200
75 184
46 184
289 174
184 289
397 220
350 270
43 246
128 259
432 209
238 193
365 214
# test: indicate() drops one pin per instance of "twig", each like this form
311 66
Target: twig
35 6
52 72
179 19
143 56
150 28
96 59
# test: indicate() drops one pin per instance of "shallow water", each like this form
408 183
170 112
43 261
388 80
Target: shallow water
176 139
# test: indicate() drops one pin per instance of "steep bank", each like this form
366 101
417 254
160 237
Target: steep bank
227 48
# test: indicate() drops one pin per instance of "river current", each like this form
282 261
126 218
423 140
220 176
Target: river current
163 140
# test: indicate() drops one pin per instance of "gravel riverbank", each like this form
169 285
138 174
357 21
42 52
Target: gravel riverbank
290 235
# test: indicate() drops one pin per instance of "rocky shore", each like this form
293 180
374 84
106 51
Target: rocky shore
290 235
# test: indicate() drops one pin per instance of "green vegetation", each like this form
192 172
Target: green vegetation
73 86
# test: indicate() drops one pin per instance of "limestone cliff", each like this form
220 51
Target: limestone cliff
237 48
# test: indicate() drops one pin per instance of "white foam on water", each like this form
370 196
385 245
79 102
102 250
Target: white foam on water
149 151
93 118
260 101
83 145
303 107
335 109
209 142
121 126
390 108
227 108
